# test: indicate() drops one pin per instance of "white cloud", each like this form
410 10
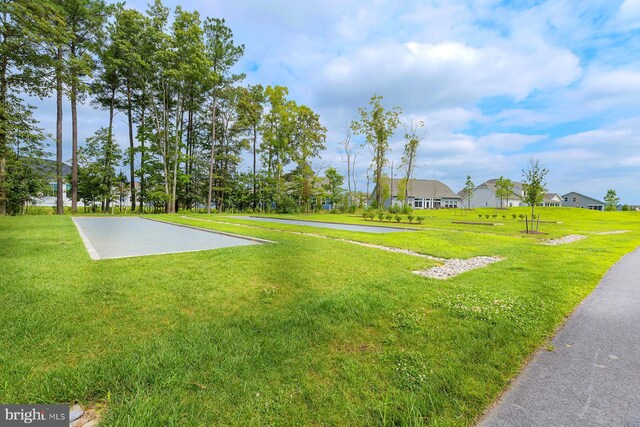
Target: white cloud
629 14
506 142
444 75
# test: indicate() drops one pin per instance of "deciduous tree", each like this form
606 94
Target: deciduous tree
377 125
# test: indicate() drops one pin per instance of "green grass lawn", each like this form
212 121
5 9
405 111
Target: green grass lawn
304 331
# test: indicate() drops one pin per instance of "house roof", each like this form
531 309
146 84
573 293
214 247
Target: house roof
426 188
491 185
549 197
582 195
48 168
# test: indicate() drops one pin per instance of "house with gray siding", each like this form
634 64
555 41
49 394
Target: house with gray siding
422 194
577 200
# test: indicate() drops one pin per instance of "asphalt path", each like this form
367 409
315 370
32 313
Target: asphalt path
592 375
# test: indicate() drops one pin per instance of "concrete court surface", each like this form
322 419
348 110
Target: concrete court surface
592 376
320 224
121 237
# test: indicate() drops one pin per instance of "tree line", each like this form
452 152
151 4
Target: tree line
190 119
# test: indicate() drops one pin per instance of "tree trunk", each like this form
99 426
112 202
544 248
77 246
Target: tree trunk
3 139
142 160
176 157
212 157
255 137
73 98
59 179
132 169
107 200
379 165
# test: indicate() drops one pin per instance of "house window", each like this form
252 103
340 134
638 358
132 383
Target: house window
417 203
574 200
566 199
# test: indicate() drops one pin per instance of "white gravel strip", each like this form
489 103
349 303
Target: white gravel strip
563 240
453 267
613 232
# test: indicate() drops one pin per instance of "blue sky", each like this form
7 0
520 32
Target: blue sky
496 82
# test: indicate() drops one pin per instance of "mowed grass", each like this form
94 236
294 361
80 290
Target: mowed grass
559 221
303 331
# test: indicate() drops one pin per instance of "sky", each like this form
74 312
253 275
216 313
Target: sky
495 82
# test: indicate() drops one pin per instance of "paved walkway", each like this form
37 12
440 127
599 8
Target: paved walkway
122 237
348 227
592 378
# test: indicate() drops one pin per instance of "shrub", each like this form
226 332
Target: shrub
494 216
380 215
514 216
410 218
487 216
395 209
398 218
521 216
389 217
407 209
420 219
480 216
504 217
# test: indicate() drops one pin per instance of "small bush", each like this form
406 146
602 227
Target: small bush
380 215
420 219
514 216
407 209
487 216
395 209
410 218
504 217
398 218
521 216
480 216
494 216
389 217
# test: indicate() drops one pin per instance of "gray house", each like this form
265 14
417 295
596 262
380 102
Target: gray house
577 200
422 194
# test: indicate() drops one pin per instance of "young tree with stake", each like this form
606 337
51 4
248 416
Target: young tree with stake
534 185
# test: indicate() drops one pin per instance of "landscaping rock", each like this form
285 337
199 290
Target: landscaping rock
75 414
613 232
453 267
563 240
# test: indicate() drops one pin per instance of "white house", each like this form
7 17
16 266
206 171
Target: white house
484 195
552 199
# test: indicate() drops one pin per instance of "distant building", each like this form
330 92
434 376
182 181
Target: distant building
552 199
422 194
484 196
577 200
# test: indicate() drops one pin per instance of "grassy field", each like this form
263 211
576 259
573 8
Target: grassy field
304 331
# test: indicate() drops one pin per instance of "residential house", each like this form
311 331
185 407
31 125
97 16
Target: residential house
484 195
422 194
552 199
577 200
